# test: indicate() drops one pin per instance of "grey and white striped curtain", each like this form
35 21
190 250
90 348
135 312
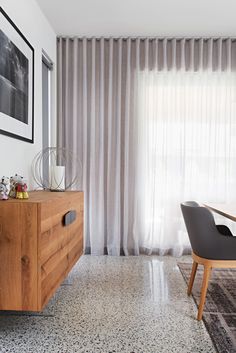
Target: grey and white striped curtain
98 119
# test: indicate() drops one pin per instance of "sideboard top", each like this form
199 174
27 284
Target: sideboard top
43 196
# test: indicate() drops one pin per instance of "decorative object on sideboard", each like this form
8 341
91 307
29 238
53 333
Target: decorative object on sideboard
16 82
18 187
6 182
21 190
14 180
4 188
57 169
57 178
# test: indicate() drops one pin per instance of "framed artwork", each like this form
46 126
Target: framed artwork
16 82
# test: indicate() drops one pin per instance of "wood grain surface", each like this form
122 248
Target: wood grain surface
36 250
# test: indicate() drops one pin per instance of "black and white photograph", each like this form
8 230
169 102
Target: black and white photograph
14 74
16 82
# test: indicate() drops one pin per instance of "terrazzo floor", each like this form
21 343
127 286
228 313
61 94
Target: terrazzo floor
112 305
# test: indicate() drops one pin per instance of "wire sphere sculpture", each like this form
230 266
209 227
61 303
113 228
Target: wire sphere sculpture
57 169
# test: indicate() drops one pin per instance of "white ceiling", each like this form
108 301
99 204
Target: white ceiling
141 17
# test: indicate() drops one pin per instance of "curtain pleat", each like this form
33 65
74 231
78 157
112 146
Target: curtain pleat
121 103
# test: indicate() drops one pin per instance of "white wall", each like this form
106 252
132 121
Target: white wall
16 155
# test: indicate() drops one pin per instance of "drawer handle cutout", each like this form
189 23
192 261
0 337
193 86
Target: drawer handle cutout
69 218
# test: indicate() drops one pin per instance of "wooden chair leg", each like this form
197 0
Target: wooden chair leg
192 277
206 276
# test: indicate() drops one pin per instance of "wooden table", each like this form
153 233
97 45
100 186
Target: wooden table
226 210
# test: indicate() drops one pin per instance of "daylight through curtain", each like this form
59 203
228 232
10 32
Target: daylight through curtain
153 122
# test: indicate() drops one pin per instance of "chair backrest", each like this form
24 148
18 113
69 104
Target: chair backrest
201 228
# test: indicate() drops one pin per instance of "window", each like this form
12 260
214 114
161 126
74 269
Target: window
186 148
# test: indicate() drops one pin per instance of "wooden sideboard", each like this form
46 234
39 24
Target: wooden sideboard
38 247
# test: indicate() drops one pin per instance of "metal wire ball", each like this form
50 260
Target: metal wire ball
52 157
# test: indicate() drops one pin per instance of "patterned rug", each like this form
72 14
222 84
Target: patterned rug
220 308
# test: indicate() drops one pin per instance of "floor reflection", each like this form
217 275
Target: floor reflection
158 281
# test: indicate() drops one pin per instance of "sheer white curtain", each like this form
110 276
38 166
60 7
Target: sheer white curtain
186 149
153 122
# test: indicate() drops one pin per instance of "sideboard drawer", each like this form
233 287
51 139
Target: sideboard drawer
52 212
55 237
60 244
59 269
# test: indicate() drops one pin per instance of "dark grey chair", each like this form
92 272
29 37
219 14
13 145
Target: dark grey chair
213 245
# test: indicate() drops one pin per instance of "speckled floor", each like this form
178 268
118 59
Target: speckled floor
112 304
